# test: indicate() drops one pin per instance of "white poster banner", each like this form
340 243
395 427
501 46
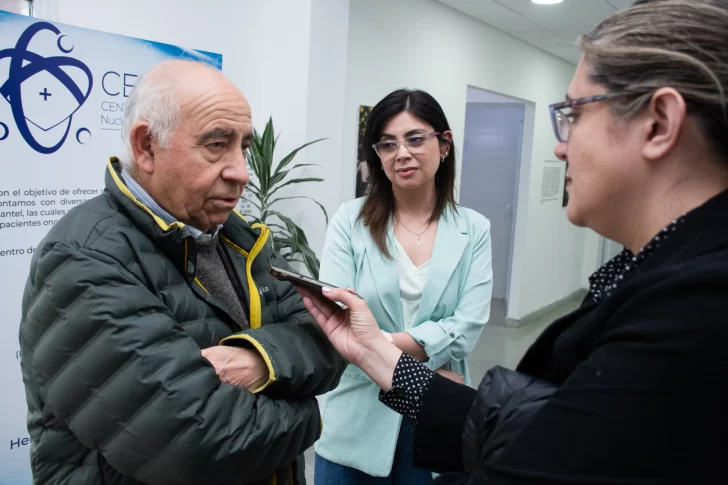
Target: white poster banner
63 91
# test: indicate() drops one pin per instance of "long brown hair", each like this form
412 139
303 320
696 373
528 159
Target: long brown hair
379 204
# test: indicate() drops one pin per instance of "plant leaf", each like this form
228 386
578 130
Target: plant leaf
323 209
252 185
301 165
250 190
287 159
269 144
287 238
273 224
254 160
295 181
279 176
254 203
260 156
312 262
298 240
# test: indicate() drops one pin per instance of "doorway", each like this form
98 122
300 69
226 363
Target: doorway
492 149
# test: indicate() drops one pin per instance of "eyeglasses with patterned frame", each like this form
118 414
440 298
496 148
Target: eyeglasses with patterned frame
562 121
415 143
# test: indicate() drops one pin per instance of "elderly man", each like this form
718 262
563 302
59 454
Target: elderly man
156 348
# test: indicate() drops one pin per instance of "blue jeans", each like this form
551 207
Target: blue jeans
403 473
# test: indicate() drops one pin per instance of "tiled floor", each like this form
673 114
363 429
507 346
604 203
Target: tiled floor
498 345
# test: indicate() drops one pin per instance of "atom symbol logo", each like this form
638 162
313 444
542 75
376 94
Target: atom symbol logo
38 110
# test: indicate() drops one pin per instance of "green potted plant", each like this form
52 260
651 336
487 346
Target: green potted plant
263 194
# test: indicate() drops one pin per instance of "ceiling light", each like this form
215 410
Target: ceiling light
547 2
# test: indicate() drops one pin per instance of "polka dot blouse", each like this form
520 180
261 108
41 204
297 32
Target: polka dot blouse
608 278
409 383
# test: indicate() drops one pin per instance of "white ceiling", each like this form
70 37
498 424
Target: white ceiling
553 28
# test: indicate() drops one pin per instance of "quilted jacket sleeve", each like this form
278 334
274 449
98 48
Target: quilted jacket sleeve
474 428
301 360
111 362
506 402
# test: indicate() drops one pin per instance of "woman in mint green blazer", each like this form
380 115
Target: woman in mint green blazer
423 265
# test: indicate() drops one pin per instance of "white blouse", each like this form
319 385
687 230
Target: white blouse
412 281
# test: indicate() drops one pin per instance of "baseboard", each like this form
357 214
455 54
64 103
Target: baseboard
569 300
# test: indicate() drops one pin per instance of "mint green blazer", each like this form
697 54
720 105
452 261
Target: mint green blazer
358 430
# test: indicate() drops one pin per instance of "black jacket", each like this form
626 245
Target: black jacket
639 383
117 389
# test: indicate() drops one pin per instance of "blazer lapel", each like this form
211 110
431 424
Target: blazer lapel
450 242
385 276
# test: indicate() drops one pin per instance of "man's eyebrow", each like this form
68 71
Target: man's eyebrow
248 136
216 133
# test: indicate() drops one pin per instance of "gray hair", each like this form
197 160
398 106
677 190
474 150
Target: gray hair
152 100
666 43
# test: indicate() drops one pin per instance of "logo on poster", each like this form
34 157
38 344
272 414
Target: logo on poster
44 92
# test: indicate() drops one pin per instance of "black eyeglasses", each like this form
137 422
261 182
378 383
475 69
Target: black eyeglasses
562 121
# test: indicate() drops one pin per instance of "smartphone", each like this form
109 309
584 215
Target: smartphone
298 279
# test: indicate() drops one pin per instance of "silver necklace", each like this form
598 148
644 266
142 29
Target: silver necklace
410 230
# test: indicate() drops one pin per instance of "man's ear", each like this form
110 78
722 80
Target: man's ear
142 146
664 120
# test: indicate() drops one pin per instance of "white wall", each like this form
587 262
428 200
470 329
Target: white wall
267 47
325 116
424 44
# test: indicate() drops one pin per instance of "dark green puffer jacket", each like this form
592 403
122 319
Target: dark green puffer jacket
112 325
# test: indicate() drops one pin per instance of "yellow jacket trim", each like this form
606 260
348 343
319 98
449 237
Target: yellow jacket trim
255 309
199 283
263 353
234 246
125 190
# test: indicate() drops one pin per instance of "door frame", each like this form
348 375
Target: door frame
521 194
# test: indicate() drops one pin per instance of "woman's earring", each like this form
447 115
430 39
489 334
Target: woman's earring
443 158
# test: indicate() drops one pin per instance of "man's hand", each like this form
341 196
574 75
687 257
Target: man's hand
238 367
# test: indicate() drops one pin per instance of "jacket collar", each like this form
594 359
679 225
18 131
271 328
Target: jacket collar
450 242
143 196
171 236
705 230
